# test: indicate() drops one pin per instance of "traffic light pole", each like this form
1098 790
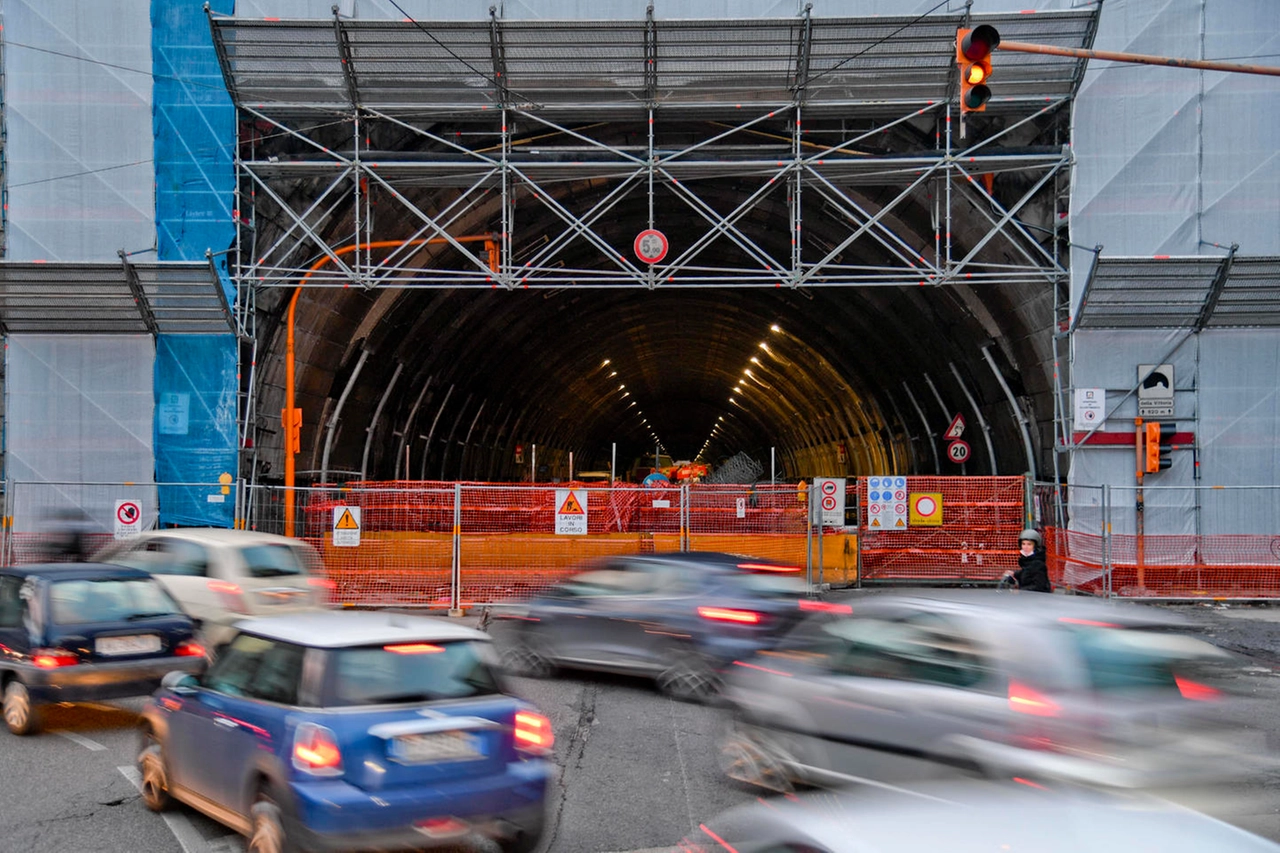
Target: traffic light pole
1141 58
1140 440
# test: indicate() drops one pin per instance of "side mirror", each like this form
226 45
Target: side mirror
182 683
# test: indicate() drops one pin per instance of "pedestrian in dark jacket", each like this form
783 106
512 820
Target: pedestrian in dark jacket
1033 572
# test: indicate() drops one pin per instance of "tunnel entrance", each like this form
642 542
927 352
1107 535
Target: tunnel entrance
779 237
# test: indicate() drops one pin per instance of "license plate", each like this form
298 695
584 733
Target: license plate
436 746
135 645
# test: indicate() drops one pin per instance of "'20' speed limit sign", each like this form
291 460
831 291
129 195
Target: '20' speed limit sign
958 451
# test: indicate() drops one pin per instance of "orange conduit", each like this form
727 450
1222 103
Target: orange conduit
291 414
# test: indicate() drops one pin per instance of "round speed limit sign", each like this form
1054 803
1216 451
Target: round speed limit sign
958 450
650 245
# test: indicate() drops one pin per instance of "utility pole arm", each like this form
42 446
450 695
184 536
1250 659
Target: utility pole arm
1141 58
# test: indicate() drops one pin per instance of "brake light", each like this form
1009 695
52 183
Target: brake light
1024 700
315 751
54 658
1092 623
767 567
824 606
189 649
323 583
533 733
413 649
230 594
1196 691
726 614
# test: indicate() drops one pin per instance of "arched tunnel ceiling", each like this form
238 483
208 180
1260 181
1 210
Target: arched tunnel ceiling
849 380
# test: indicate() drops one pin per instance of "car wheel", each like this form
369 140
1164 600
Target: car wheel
151 769
20 715
266 826
527 656
751 760
689 678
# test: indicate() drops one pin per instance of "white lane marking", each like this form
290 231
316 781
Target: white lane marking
684 773
189 839
91 745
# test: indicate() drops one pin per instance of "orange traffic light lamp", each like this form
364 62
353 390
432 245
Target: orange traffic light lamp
1158 452
973 58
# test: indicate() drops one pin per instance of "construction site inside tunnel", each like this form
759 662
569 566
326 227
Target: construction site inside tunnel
440 252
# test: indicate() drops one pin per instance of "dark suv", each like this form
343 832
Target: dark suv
679 618
74 632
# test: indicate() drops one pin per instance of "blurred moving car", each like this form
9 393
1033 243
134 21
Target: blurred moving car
350 730
77 632
221 576
913 686
972 818
678 617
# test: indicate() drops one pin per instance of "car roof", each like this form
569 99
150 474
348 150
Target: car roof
223 536
342 628
1029 607
72 571
979 817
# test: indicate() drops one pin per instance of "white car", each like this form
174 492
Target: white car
220 577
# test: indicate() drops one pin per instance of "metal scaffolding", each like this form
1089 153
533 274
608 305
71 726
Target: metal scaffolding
502 127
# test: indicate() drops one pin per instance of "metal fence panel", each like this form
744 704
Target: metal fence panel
975 541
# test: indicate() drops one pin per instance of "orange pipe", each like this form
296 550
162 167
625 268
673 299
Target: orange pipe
291 414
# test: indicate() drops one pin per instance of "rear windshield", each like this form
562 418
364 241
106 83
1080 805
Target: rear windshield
771 584
79 602
272 561
410 672
1124 660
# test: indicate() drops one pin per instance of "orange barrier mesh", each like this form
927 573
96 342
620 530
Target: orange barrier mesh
1230 566
976 541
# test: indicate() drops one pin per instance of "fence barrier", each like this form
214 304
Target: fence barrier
449 545
1093 545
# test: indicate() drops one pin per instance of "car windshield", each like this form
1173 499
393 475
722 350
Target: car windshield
78 602
410 672
272 561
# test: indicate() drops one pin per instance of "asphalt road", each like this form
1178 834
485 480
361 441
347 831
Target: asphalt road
638 770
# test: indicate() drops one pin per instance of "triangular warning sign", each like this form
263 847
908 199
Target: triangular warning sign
875 522
900 523
571 506
347 521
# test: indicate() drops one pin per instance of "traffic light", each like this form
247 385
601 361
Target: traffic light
973 57
1159 447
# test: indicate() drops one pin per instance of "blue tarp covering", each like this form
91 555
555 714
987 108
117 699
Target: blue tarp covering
195 378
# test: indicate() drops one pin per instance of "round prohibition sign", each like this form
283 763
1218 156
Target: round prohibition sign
828 503
958 450
650 245
925 506
828 487
128 513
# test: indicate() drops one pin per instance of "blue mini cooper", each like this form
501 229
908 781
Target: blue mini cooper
350 731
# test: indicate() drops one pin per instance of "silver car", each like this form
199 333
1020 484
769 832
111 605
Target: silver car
973 818
910 687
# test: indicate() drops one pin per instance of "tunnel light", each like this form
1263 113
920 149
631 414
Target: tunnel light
604 363
632 403
720 418
775 328
748 372
613 373
731 400
737 389
764 346
622 387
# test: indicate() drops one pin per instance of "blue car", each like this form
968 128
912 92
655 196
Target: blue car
350 731
79 632
680 618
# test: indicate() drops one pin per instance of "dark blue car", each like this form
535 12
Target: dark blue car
74 632
679 618
350 731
